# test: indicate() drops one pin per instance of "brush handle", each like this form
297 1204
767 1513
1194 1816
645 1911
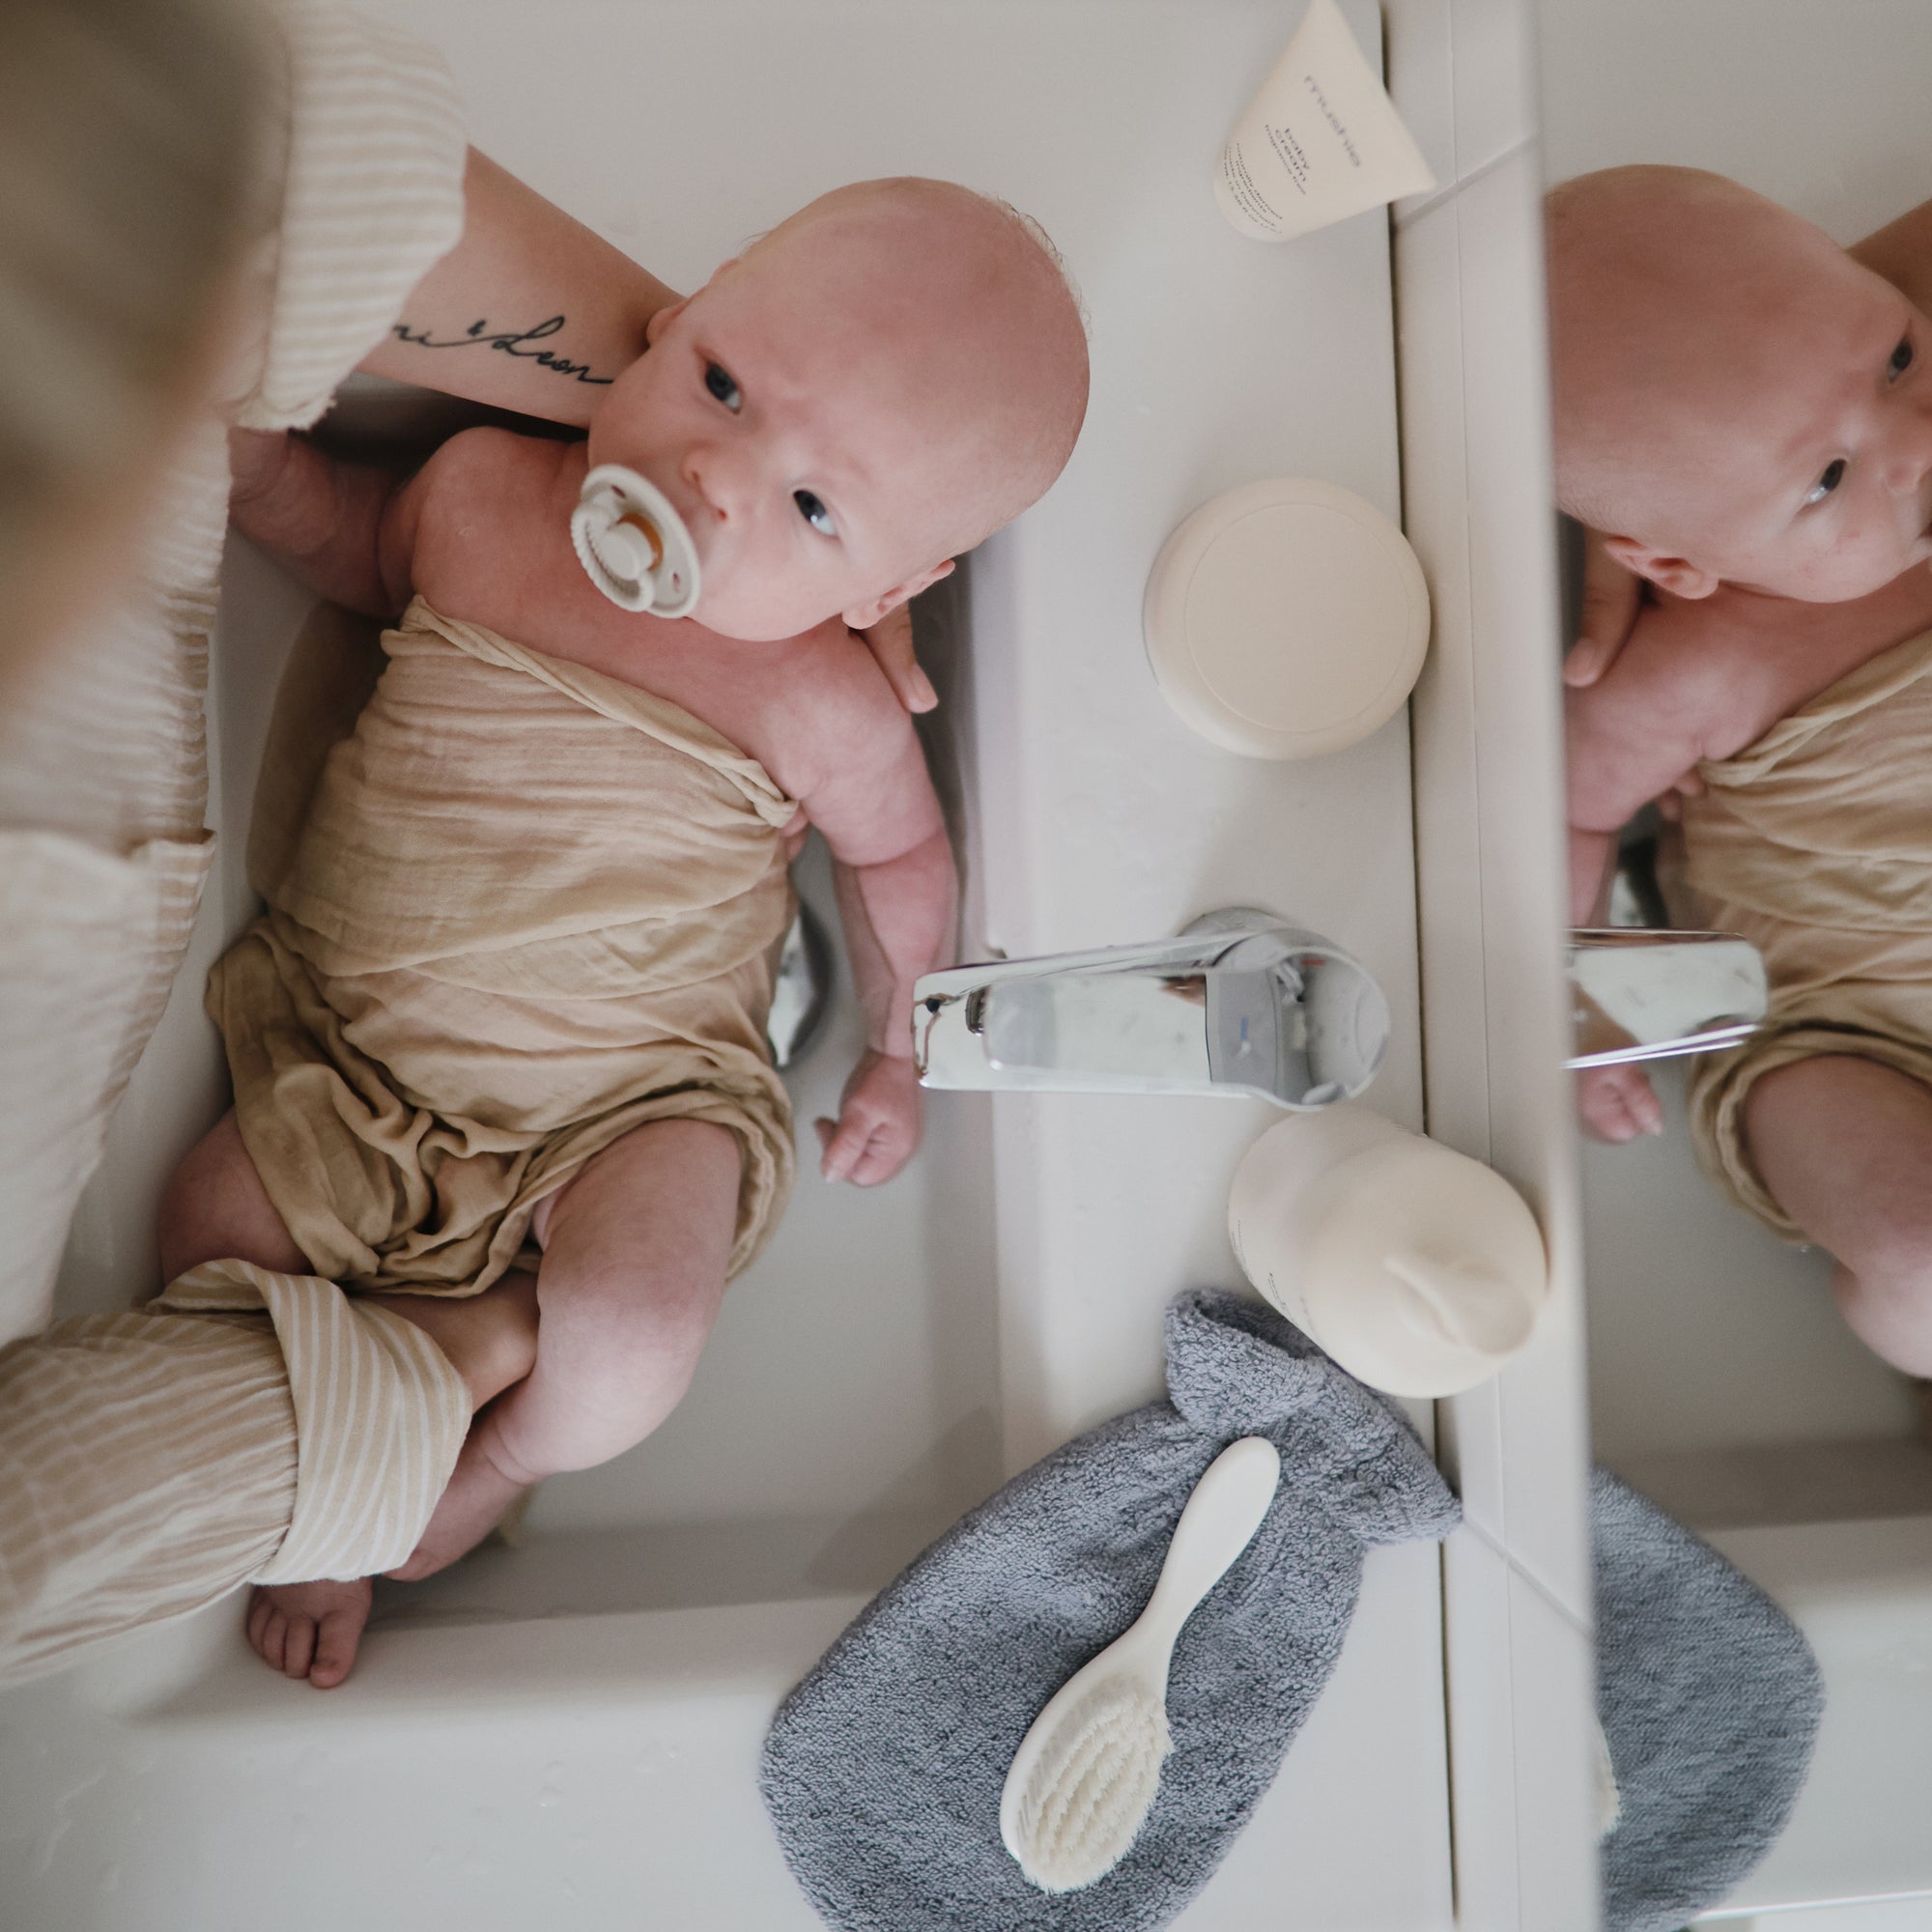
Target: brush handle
1219 1522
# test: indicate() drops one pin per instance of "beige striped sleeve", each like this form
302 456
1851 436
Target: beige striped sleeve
147 1467
374 196
104 761
153 1461
379 1418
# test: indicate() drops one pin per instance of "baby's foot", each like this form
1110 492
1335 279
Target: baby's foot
309 1630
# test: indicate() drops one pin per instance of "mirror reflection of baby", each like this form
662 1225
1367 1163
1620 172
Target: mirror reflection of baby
505 1012
1743 416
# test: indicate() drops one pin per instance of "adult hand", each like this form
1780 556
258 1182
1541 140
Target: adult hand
1611 598
877 1129
890 641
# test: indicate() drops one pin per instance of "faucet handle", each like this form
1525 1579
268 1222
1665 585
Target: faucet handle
1644 993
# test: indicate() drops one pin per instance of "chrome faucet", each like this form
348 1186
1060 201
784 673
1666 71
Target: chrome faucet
1240 1003
1648 993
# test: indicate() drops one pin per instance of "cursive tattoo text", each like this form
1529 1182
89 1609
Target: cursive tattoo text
511 341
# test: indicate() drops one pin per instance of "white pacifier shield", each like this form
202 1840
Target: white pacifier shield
618 513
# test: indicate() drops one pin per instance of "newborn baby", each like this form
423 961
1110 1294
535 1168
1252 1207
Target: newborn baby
1745 410
506 1009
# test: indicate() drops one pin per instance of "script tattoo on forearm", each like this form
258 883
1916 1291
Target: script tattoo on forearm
510 341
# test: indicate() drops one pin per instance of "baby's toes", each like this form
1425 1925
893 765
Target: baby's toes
336 1639
273 1634
298 1647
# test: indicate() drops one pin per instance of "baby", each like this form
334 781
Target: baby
506 1009
1744 411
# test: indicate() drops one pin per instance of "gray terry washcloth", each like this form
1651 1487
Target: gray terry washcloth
883 1770
1710 1701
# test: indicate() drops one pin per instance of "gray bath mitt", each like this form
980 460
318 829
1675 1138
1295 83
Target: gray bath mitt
1710 1701
883 1770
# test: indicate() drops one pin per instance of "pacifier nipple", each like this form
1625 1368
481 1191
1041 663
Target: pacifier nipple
633 544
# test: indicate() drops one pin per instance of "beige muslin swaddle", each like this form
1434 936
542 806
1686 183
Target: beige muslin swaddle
530 909
1815 844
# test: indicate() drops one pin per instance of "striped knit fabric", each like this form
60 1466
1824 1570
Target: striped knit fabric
103 757
150 1462
380 1415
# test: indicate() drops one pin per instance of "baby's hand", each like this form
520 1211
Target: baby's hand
877 1129
1611 598
1617 1102
890 641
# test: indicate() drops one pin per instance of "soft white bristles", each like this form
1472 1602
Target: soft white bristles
1091 1787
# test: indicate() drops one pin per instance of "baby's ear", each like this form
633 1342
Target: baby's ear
662 319
1677 575
863 617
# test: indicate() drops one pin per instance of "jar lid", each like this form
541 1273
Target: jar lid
1286 619
1426 1268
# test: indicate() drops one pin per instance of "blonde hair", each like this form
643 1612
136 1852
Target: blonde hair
125 130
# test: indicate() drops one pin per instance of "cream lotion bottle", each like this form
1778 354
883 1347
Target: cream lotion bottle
1320 140
1420 1270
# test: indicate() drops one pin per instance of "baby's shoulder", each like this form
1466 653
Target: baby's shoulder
831 710
482 468
484 494
1694 660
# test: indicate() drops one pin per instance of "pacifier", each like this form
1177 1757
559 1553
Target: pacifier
633 544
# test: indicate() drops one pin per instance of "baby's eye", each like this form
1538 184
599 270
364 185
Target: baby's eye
720 385
1901 358
815 513
1834 474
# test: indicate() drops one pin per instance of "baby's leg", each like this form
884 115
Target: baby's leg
636 1250
1844 1145
216 1208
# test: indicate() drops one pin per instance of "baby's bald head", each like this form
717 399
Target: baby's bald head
1725 386
971 308
882 381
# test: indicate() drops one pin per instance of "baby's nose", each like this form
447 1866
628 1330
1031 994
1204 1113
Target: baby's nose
1909 461
717 481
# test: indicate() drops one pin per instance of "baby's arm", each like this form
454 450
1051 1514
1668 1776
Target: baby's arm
897 894
1637 731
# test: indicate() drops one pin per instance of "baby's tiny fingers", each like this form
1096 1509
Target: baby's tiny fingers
1586 661
844 1145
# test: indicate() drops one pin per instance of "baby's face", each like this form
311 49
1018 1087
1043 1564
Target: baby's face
778 410
1800 461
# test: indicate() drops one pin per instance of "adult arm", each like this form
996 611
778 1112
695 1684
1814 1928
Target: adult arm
1901 252
530 310
345 529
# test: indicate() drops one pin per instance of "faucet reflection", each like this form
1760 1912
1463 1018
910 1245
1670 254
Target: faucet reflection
1639 994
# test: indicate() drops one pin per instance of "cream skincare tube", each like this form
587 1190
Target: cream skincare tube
1320 141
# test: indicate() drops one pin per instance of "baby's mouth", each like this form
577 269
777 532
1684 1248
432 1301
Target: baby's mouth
634 545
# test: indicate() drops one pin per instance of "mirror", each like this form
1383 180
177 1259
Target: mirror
1729 1379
